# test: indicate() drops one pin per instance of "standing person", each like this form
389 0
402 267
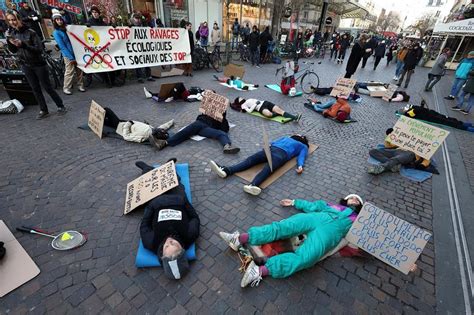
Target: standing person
254 41
326 36
379 53
334 46
467 89
265 37
204 34
235 33
392 48
401 54
26 44
462 72
65 46
138 20
412 58
216 36
198 33
342 49
188 68
369 50
245 33
438 69
159 23
31 19
357 53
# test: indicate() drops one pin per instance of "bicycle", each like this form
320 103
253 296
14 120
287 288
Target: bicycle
56 66
309 80
202 58
241 53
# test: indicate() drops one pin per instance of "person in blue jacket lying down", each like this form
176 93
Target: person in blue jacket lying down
282 150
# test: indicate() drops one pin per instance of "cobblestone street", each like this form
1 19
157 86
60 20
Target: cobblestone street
58 177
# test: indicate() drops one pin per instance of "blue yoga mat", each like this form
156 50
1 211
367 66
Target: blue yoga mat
276 88
147 258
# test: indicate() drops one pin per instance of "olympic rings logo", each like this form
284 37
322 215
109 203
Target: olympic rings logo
98 61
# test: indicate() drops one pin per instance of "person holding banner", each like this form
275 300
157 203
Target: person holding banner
138 20
325 225
281 150
170 225
27 45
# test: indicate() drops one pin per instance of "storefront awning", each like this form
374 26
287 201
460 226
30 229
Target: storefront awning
465 27
348 9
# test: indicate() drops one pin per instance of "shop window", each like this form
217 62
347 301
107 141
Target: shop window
174 12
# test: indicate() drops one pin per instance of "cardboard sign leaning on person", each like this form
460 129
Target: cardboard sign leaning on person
343 87
213 105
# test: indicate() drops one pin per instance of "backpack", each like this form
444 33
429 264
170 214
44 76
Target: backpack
198 36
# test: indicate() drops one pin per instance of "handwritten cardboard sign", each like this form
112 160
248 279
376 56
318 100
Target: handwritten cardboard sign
150 185
96 118
237 71
392 88
266 148
343 88
416 136
387 237
213 105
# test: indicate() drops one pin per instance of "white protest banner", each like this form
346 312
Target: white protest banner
416 136
266 148
213 105
103 48
392 88
96 118
387 237
343 87
150 185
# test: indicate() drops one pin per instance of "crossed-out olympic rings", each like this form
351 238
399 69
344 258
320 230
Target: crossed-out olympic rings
98 61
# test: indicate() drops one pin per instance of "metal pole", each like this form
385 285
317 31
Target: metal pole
323 15
259 13
457 49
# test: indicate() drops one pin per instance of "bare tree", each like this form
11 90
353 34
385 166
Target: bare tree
424 23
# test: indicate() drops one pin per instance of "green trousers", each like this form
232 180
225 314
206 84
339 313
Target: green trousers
323 233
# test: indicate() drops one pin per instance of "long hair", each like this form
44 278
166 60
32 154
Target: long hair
301 139
59 27
355 208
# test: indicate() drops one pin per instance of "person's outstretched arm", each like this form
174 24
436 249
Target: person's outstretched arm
304 205
301 159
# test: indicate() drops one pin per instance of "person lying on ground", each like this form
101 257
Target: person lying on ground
338 109
393 158
324 224
423 113
282 150
170 225
266 108
398 96
179 92
204 126
237 82
132 130
353 96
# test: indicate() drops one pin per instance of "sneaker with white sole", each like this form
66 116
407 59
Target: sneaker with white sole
147 93
169 99
253 190
465 112
167 125
232 239
251 276
81 89
218 169
229 149
67 91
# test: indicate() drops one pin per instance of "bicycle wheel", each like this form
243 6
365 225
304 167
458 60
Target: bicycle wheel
216 62
309 81
53 76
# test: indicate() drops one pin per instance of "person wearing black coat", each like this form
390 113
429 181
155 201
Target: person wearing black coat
412 58
379 53
369 50
95 19
344 44
265 37
170 225
254 41
357 53
31 18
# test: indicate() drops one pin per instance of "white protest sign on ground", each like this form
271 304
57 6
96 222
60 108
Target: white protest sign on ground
213 105
150 185
343 87
416 136
392 88
103 48
96 118
266 148
387 237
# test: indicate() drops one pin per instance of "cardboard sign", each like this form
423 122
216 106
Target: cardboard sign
96 118
266 148
416 136
394 241
392 88
213 105
165 89
237 71
104 48
343 88
150 185
377 90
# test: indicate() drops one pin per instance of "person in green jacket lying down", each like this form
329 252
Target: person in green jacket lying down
324 224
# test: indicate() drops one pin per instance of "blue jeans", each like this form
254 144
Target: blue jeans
204 41
255 57
457 85
199 128
321 107
399 68
470 101
279 157
235 40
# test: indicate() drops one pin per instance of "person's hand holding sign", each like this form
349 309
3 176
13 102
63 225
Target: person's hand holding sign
299 170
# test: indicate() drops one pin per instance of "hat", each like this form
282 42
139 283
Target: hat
471 54
354 196
55 14
176 268
342 116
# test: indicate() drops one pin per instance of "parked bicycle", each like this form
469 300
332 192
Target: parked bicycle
307 78
56 67
202 58
241 53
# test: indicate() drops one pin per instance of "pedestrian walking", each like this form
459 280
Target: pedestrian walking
391 49
401 54
27 45
254 41
334 46
345 43
413 57
468 89
379 53
357 53
369 50
462 72
265 38
438 69
204 34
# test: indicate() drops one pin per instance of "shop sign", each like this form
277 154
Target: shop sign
74 6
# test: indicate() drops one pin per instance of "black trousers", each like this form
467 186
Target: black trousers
392 157
35 75
111 119
377 61
364 59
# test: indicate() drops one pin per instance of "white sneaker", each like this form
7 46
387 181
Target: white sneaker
251 276
169 99
217 169
67 91
253 190
167 125
81 89
147 94
232 239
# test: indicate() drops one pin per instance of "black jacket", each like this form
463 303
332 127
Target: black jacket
30 52
215 124
96 22
357 53
265 37
345 43
423 113
25 17
254 40
412 58
191 40
380 50
154 232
